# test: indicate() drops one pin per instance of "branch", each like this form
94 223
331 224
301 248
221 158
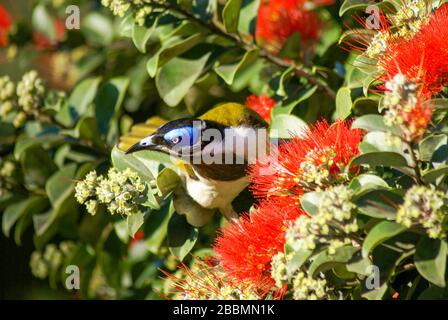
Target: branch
217 28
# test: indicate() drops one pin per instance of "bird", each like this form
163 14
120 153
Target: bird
215 150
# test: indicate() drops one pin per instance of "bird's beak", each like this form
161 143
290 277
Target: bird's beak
144 144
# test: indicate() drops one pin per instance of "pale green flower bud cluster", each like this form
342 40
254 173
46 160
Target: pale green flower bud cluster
141 14
422 207
307 288
7 91
404 111
30 91
315 173
121 7
279 269
118 7
119 191
332 225
51 259
7 169
410 17
378 44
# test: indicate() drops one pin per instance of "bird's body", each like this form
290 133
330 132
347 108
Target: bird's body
214 151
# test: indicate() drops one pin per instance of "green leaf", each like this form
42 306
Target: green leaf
432 175
37 166
430 260
285 125
175 78
310 202
434 293
97 28
20 209
343 103
141 35
43 22
365 182
157 227
378 204
167 181
123 161
228 71
373 159
108 102
299 257
248 16
231 15
134 222
172 48
60 185
370 122
81 97
380 233
430 144
181 236
378 141
325 261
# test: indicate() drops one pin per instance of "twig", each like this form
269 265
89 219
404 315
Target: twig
217 28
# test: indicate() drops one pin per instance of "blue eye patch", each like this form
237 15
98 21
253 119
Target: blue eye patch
184 136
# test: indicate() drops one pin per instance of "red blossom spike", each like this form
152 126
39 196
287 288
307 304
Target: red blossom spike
423 58
245 248
5 25
262 105
306 163
280 19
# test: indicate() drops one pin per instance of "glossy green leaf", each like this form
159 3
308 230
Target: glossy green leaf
176 77
370 122
325 261
343 103
365 182
378 203
172 48
181 236
430 260
433 174
286 125
310 202
80 98
248 16
167 180
108 102
430 144
228 71
375 159
134 222
19 209
380 233
231 15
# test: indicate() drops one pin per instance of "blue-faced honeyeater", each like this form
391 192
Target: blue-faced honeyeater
222 134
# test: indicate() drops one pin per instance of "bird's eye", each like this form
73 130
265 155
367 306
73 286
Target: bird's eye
176 140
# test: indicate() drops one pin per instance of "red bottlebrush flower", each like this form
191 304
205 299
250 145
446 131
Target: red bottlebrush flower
313 161
262 105
138 236
42 42
279 19
245 248
423 58
205 280
5 25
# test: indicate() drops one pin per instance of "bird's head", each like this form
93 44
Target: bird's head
185 138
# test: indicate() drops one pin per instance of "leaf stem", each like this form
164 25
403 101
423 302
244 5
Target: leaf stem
415 164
